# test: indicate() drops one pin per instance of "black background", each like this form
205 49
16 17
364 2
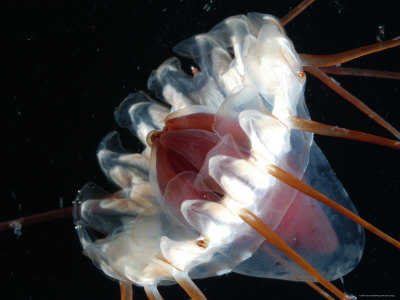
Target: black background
68 64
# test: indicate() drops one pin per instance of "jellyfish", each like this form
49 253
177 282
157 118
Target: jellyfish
230 179
184 227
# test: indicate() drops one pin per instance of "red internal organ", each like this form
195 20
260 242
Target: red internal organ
181 150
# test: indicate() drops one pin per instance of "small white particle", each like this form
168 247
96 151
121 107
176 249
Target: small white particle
17 226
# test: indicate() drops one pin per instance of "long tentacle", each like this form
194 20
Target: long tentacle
334 131
152 292
319 290
296 11
312 60
188 285
38 218
336 70
126 290
352 99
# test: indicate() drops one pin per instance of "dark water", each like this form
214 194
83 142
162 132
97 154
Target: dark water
68 64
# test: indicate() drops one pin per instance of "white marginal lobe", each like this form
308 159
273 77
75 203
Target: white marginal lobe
267 134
